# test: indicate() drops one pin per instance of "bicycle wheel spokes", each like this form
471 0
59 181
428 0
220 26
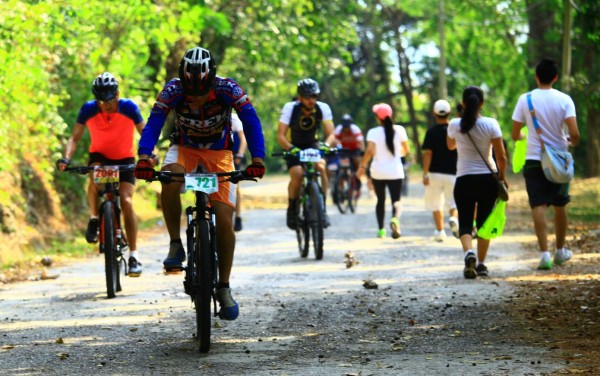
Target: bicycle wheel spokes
340 189
111 266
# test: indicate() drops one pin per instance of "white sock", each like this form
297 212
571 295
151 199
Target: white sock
545 255
470 251
133 254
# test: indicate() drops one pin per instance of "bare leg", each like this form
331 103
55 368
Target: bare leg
126 191
171 203
560 225
295 184
467 242
92 198
438 219
482 248
225 239
539 223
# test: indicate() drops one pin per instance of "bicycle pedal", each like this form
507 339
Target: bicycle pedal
173 270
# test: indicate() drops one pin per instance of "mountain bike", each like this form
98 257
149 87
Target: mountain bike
345 186
201 271
310 211
111 237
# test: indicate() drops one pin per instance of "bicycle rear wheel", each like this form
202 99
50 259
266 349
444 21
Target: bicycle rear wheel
316 218
203 282
111 266
302 229
338 188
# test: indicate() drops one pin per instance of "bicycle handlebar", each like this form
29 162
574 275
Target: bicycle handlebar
85 169
285 153
235 176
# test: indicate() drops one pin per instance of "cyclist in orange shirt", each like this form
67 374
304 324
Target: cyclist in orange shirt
112 122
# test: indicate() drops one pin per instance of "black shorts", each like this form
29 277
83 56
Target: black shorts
542 191
124 176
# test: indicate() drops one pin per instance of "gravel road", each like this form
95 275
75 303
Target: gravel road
298 316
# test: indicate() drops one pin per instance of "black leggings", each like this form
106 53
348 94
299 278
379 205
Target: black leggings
394 187
472 190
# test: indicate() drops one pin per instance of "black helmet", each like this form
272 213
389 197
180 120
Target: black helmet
308 87
105 87
197 71
346 120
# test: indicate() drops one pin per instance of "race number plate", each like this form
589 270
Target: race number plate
310 155
207 183
345 162
106 174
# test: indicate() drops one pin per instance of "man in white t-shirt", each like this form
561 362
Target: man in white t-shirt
298 128
552 109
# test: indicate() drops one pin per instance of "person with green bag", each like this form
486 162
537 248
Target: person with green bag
477 175
493 226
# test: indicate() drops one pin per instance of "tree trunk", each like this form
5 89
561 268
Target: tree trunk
541 25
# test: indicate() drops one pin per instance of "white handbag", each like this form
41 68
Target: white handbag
558 166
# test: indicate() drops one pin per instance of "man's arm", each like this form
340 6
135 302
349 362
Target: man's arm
573 130
516 131
427 155
243 143
328 127
78 130
282 140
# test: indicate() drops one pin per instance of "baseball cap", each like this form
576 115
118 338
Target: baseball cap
382 110
441 108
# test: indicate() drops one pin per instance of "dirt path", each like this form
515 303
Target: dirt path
298 316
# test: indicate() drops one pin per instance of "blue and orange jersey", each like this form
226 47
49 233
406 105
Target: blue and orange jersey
207 127
111 134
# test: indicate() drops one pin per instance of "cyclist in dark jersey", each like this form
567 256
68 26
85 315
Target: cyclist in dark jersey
202 103
297 130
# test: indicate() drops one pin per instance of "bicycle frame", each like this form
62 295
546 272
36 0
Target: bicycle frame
201 272
111 239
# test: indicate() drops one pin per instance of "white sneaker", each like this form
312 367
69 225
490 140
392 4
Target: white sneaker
439 236
562 255
453 222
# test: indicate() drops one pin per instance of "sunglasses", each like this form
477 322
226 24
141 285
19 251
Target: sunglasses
312 96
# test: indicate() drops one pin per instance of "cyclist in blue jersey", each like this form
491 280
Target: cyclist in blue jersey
202 103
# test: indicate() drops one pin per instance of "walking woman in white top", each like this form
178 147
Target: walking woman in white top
475 188
385 144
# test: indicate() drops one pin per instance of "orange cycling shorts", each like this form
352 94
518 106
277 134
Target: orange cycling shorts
209 161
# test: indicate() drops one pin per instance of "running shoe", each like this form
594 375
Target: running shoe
291 219
230 310
381 233
91 233
439 236
562 255
395 226
135 267
482 270
545 264
470 261
453 222
237 226
174 261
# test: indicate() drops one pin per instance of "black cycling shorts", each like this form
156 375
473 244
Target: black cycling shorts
124 176
542 191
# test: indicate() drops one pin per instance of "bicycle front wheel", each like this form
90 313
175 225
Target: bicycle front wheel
203 281
302 229
353 192
316 218
343 185
111 266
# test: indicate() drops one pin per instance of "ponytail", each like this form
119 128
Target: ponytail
388 128
472 99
